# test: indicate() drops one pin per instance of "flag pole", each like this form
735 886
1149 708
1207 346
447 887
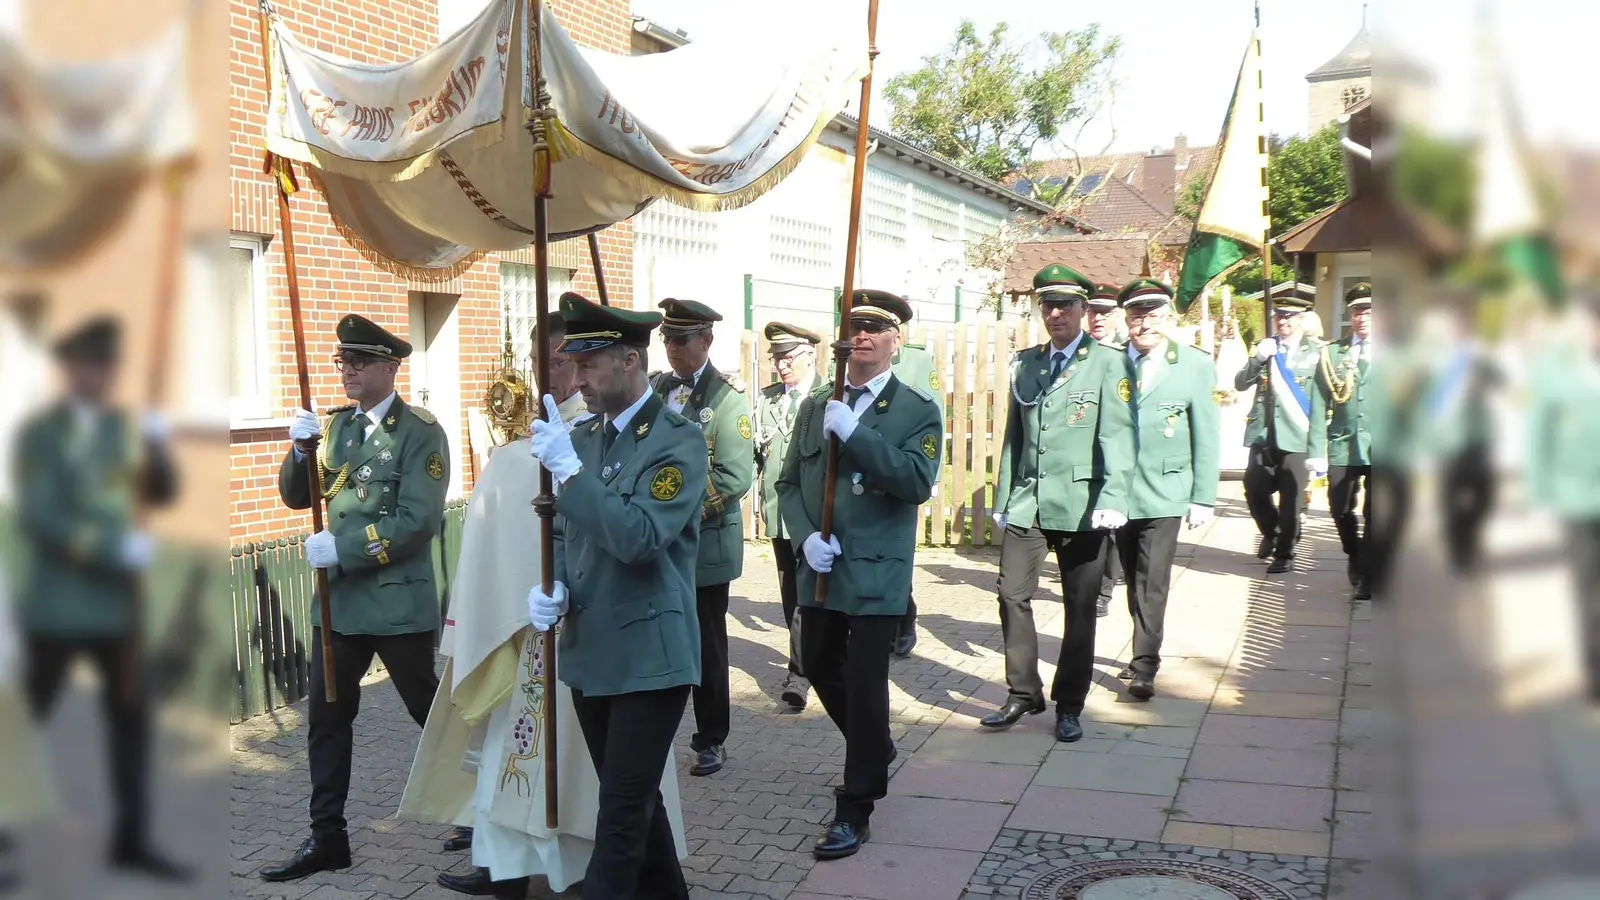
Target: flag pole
1266 209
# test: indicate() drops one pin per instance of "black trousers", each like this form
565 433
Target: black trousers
1583 549
908 622
630 738
1272 471
783 552
1344 483
711 713
1147 548
1389 493
127 718
331 732
1108 584
1081 556
1466 495
847 660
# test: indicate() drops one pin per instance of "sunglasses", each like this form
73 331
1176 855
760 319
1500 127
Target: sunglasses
870 326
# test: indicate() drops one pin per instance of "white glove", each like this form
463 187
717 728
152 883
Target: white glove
839 419
552 443
137 550
1000 520
1316 468
1198 515
303 427
321 552
820 554
156 428
545 610
1108 519
1267 349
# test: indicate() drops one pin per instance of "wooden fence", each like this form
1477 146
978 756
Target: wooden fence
974 364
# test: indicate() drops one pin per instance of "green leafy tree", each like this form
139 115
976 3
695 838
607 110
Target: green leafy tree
983 103
1305 175
1437 177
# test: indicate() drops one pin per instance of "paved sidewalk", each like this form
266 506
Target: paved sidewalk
1253 764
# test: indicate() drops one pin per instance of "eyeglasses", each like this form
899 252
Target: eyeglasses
354 362
1285 313
870 326
679 340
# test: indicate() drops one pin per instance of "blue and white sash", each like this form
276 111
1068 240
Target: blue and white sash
1289 397
1447 395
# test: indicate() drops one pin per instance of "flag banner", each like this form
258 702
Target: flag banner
428 164
1233 217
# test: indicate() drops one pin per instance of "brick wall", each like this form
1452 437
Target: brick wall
334 278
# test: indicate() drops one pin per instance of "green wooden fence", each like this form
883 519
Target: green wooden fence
270 585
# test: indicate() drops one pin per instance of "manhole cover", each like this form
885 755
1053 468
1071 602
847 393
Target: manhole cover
1156 879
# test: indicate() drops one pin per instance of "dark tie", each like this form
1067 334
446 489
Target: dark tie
1058 362
853 394
609 437
788 407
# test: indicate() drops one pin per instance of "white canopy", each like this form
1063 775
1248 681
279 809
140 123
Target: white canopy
428 164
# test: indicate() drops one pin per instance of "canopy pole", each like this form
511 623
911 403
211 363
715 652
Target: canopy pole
842 346
282 173
599 270
544 505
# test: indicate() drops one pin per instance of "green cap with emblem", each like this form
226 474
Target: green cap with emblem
785 338
1145 293
591 326
1358 297
680 317
873 304
1056 283
96 341
1103 297
1294 296
359 334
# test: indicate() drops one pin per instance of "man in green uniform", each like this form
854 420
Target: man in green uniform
1564 466
1283 370
1103 318
889 455
1457 415
385 469
716 402
631 486
81 467
913 364
1346 441
1176 428
794 354
1063 485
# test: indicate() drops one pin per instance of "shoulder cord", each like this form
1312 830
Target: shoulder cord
1016 361
1341 389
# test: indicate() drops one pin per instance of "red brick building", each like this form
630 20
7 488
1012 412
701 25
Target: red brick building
457 326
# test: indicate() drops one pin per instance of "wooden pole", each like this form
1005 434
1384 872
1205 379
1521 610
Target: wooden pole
282 173
841 346
1266 234
599 270
544 505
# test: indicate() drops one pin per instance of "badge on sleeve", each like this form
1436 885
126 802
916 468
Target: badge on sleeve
1124 391
930 446
933 382
667 483
706 414
745 429
435 466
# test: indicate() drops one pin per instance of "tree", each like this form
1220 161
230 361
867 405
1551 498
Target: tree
1305 175
980 104
1436 176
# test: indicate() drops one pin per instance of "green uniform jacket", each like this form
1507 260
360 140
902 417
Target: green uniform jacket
1178 434
896 450
1347 441
75 501
386 509
1290 439
913 365
627 528
1455 409
774 431
1069 446
718 406
1563 462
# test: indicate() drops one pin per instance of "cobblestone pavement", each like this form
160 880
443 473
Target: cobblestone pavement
1254 748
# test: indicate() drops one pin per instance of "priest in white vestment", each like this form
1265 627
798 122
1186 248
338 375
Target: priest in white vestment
481 759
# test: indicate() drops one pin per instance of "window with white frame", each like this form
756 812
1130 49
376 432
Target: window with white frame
981 224
884 212
518 302
799 249
935 213
667 229
244 278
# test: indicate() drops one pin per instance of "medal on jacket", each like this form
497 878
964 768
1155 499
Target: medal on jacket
385 456
1171 422
364 473
855 484
361 492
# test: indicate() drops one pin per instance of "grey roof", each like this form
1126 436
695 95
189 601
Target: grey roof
1354 59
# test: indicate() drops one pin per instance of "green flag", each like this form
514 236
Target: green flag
1508 221
1233 217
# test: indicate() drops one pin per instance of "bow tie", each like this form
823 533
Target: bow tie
673 381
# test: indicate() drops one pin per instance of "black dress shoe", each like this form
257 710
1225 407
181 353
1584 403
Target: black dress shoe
318 854
709 761
1363 590
460 839
1142 686
904 642
1067 728
477 884
842 839
144 861
1012 713
1102 607
1264 549
1279 566
1126 673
